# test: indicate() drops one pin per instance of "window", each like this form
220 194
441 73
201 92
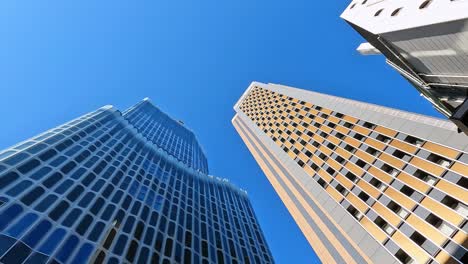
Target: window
17 254
13 160
378 12
361 163
348 125
350 148
372 151
331 171
354 212
300 163
418 238
46 203
52 180
18 188
72 217
463 182
84 224
415 141
9 214
33 237
59 210
399 154
7 179
397 209
455 205
20 226
389 169
322 182
368 125
383 138
340 160
439 160
403 257
47 155
425 4
69 246
28 166
380 222
341 189
425 176
407 190
363 196
358 136
351 176
376 183
339 135
396 11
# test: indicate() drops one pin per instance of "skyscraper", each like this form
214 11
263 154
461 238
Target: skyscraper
121 188
425 41
365 183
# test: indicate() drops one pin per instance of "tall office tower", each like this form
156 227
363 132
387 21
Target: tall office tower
365 183
426 41
121 188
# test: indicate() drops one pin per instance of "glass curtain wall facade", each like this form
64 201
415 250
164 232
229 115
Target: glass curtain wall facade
121 188
365 183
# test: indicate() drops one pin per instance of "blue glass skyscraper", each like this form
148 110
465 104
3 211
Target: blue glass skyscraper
112 187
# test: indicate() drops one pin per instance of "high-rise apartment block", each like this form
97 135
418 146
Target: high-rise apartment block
365 183
426 41
112 187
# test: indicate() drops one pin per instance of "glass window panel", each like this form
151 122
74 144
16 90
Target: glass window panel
59 210
46 203
7 179
52 180
120 245
84 224
13 160
33 195
72 217
28 166
83 254
9 214
108 212
18 188
37 233
40 173
6 154
52 241
86 200
36 148
97 231
62 188
67 248
17 254
18 229
5 243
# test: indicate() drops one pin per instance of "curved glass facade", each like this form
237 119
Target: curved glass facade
99 189
170 135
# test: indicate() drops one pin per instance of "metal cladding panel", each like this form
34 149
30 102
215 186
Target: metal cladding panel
437 52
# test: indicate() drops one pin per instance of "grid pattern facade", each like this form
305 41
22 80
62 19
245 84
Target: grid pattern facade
408 193
168 134
95 190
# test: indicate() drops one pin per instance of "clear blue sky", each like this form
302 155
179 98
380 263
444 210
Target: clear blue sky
61 59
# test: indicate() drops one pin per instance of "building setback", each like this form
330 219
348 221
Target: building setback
365 183
425 41
113 187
